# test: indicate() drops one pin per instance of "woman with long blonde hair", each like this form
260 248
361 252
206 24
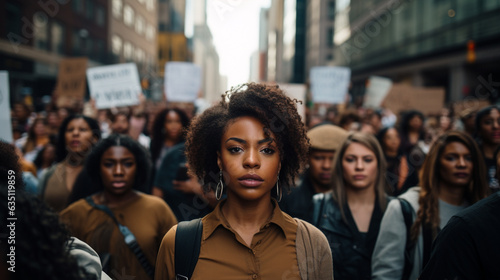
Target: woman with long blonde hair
350 216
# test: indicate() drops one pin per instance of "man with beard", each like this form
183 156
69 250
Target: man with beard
325 139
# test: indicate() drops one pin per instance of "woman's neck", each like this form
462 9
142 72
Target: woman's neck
246 214
170 142
453 195
112 200
391 153
489 150
357 196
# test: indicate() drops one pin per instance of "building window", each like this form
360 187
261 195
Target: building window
150 32
117 8
139 25
150 5
139 55
76 41
89 9
57 39
41 33
331 10
100 15
128 15
128 50
329 37
13 23
78 6
116 44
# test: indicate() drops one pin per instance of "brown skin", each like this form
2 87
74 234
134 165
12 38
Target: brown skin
391 142
320 169
246 150
118 170
455 170
490 132
173 128
120 125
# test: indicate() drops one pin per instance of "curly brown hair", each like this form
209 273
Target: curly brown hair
266 103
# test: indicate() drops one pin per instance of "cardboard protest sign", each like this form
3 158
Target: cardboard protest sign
297 91
329 84
182 81
114 85
70 86
469 104
5 122
403 97
376 91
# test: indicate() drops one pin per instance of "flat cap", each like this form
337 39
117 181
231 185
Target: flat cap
327 137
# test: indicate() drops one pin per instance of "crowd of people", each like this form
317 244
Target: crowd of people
253 191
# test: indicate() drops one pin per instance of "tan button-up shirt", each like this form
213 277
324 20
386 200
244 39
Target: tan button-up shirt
224 254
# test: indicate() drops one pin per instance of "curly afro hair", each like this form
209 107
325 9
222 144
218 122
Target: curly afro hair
266 103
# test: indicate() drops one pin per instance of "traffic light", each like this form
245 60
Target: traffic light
471 51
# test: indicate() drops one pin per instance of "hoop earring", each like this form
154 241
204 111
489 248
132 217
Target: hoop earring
220 187
279 192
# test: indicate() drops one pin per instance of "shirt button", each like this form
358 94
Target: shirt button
354 246
255 276
250 251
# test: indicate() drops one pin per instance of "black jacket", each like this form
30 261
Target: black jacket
351 249
299 202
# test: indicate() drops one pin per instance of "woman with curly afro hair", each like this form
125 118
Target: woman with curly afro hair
250 146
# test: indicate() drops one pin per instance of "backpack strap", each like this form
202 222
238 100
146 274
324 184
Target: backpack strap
128 236
187 248
409 247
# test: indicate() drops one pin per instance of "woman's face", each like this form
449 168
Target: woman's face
118 168
249 160
359 165
490 127
415 123
391 140
173 125
79 137
49 154
456 165
40 129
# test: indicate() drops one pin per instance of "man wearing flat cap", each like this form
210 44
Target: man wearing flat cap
325 140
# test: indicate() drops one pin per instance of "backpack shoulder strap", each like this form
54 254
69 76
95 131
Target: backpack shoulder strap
187 247
408 217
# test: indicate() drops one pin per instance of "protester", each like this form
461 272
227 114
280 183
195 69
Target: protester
45 159
488 139
180 190
451 179
401 174
412 131
118 166
35 140
467 247
42 245
250 146
77 135
350 215
325 140
167 132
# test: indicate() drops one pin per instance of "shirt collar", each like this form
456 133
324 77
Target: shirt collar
215 219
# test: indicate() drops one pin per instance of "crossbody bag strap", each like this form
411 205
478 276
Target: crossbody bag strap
187 247
409 246
129 237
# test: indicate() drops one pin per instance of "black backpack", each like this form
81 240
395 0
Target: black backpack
188 240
